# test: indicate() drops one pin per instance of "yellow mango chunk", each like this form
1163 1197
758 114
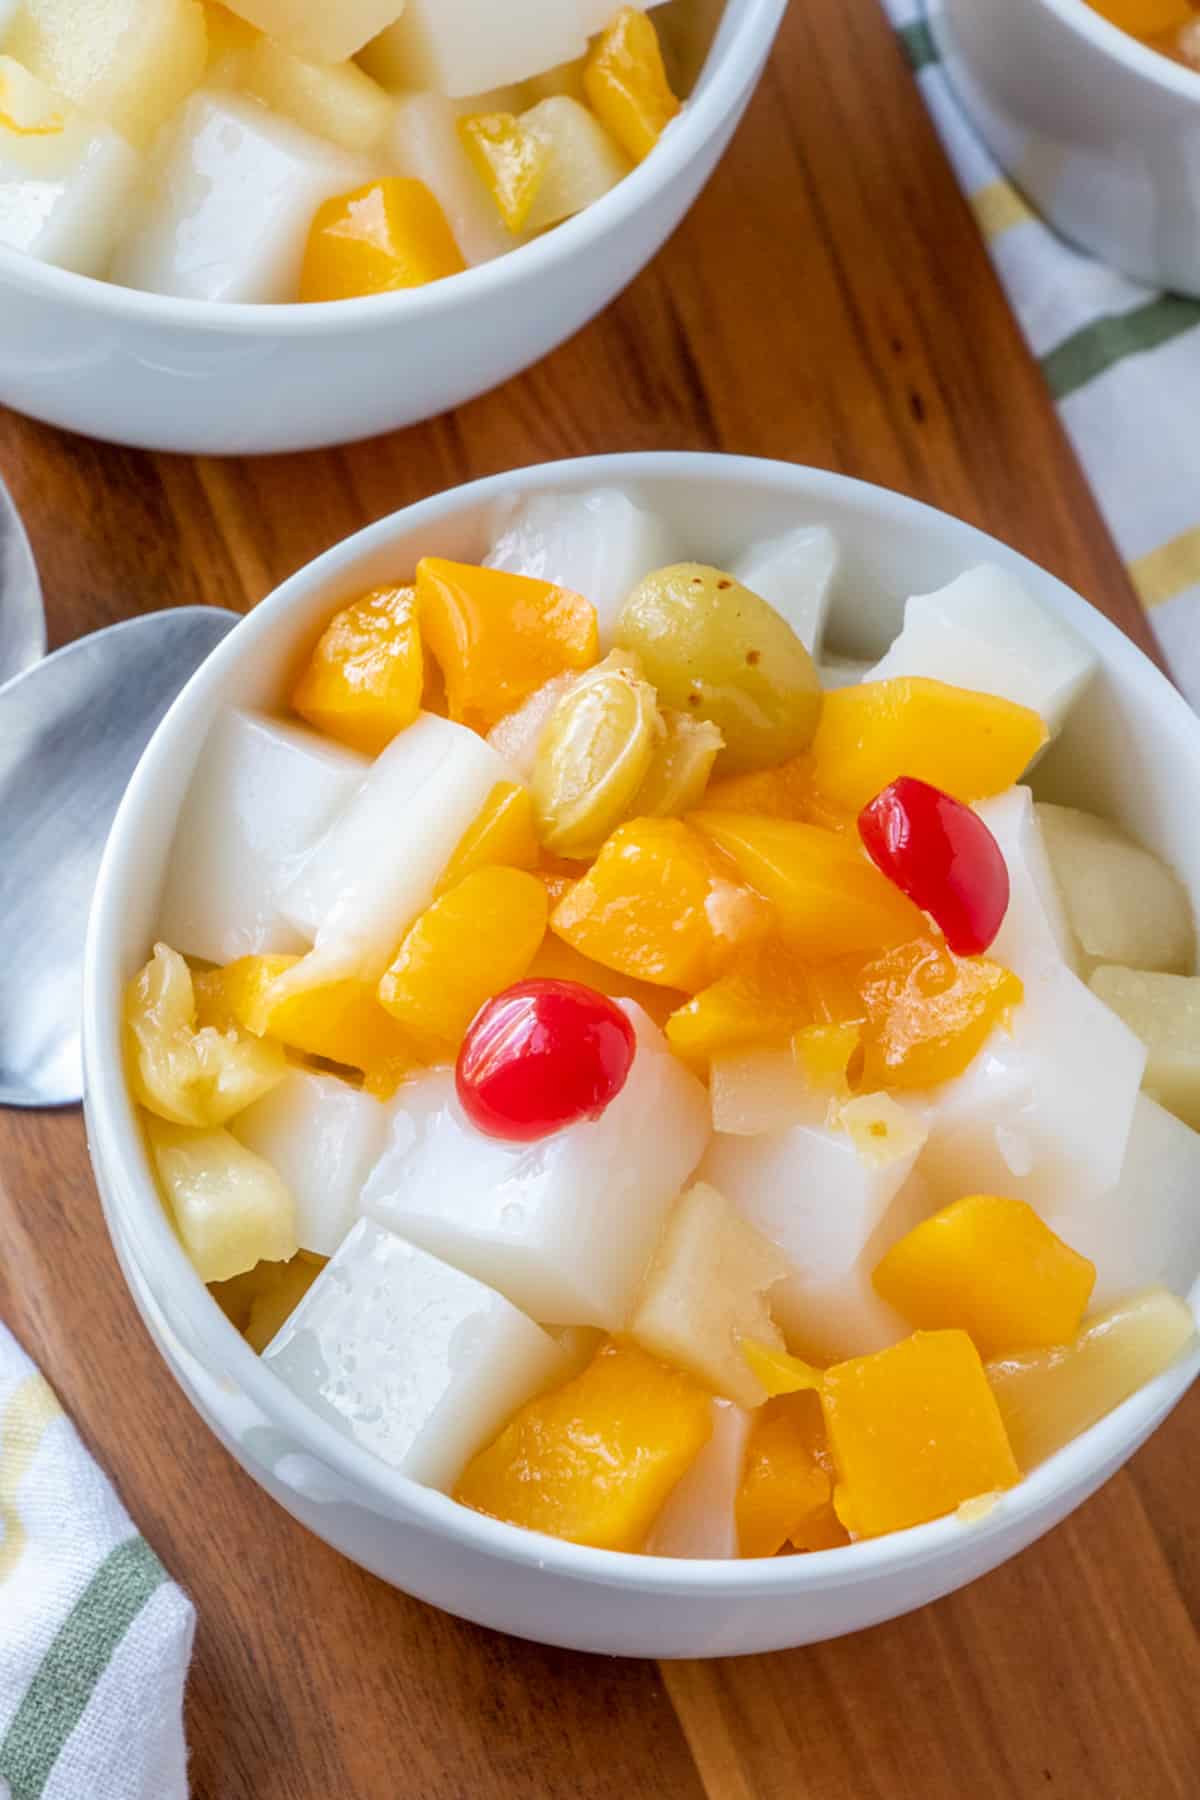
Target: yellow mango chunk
914 1431
559 961
661 905
501 835
777 1371
829 900
468 945
991 1267
340 1021
388 235
824 1055
363 681
510 159
760 1001
1145 18
783 792
184 1069
626 83
786 1491
968 744
497 638
928 1012
594 1460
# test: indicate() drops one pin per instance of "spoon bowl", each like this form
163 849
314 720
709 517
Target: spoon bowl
22 616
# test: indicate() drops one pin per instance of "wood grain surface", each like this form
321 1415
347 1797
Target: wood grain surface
827 301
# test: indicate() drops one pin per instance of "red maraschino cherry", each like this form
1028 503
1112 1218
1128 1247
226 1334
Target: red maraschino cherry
540 1056
942 855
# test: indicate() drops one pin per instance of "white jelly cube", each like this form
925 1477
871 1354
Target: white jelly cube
66 181
565 1227
333 100
376 868
842 671
1124 904
984 631
424 145
1035 937
794 573
457 47
409 1358
826 1206
700 1517
584 162
261 795
234 196
328 31
1145 1231
129 62
324 1137
599 543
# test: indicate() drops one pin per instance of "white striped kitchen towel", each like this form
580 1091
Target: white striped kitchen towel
94 1638
1122 362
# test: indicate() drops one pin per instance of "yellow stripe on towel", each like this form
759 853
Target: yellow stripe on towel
1167 571
998 207
32 1407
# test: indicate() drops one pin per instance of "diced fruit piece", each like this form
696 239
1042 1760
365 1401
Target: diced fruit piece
1144 17
598 543
942 855
626 83
1043 1112
580 161
679 768
424 146
833 1213
565 78
762 1000
779 1372
707 1289
557 961
1047 1397
362 683
990 1267
594 1461
334 100
828 899
377 1347
754 1090
231 208
1145 1231
339 1020
565 1227
190 1075
541 1056
593 755
971 744
517 735
1035 937
1163 1011
929 1013
378 863
660 905
66 180
510 160
261 795
323 1137
498 637
786 1492
473 941
329 34
984 631
450 46
230 1208
824 1054
228 35
794 573
502 835
388 235
699 1518
129 62
716 651
914 1431
1124 905
783 792
275 1303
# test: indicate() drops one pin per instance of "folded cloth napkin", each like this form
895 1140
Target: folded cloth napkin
1122 363
94 1638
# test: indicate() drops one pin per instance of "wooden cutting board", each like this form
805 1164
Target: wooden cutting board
828 301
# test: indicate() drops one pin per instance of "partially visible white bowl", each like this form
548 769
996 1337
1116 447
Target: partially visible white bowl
1132 748
1102 133
167 374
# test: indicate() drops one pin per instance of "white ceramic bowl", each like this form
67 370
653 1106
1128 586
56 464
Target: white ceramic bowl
166 374
1102 133
1132 747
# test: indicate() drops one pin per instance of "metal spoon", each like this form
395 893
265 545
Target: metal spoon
71 731
22 617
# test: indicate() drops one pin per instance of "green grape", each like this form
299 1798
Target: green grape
717 651
593 756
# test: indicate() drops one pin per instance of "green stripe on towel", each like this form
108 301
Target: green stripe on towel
918 44
58 1695
1106 341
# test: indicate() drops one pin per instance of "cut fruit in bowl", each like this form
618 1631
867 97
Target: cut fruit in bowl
594 1234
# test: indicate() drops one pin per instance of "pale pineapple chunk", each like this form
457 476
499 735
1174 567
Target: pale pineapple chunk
700 1518
457 47
1124 904
756 1090
584 162
329 31
1164 1012
333 100
187 1076
1047 1397
424 145
230 1208
708 1288
130 62
66 181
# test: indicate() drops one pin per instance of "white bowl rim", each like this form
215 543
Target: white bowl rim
1121 46
722 84
115 1138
